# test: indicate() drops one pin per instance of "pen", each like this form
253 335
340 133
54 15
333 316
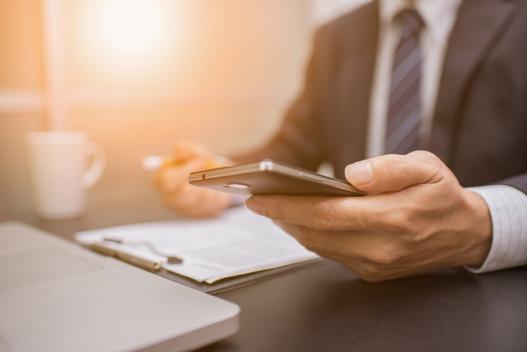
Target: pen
126 257
137 261
171 259
153 162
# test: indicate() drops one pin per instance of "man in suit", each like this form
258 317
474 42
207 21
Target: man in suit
433 95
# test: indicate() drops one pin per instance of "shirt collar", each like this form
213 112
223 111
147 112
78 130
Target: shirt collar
438 15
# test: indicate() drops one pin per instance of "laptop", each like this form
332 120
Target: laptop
56 296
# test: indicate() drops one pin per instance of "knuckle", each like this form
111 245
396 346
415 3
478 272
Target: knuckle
429 157
397 220
320 217
386 164
382 257
169 181
175 207
408 225
276 211
387 254
367 272
372 274
306 240
433 158
424 154
175 203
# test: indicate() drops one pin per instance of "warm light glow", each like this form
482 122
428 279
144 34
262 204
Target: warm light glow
131 27
121 39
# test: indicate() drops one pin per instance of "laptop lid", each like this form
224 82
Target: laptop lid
56 296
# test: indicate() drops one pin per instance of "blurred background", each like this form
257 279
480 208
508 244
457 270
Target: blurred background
138 74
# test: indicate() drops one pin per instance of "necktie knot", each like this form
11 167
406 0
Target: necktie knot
410 22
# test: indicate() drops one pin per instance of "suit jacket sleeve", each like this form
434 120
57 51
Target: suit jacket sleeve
300 140
518 182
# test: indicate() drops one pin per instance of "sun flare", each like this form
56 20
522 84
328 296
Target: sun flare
131 27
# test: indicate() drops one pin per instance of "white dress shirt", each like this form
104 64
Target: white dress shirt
507 205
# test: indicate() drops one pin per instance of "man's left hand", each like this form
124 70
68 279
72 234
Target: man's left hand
416 218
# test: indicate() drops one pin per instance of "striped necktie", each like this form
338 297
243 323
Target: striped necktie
404 109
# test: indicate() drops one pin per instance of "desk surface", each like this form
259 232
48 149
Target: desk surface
326 308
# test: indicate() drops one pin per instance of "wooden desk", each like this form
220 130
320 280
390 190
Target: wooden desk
326 308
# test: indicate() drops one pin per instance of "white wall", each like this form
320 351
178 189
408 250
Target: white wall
226 84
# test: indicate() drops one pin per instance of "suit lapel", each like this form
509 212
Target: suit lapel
479 23
354 84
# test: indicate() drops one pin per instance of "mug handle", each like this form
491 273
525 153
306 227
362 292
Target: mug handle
96 168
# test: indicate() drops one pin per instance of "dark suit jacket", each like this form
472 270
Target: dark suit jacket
480 123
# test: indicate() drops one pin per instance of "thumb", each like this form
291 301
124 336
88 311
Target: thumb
390 173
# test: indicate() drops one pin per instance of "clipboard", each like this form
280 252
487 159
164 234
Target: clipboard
232 283
223 285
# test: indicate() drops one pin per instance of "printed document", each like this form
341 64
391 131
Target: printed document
239 242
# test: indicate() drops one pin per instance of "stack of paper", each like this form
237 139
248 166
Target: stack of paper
237 243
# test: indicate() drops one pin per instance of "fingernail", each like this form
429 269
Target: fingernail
256 206
359 173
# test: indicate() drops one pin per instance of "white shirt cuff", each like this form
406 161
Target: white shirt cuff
508 210
238 199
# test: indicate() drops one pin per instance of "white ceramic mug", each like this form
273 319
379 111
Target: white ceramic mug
60 170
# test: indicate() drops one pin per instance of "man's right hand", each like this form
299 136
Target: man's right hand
180 196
